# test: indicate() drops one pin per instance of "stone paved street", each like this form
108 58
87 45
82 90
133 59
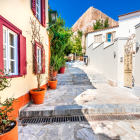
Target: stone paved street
101 98
103 130
86 94
80 90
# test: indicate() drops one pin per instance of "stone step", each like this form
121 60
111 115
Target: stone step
81 80
64 83
72 77
74 83
64 79
99 81
82 83
64 75
66 110
98 77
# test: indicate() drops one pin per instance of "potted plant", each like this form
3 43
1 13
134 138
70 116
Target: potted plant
63 66
8 126
54 65
52 81
38 93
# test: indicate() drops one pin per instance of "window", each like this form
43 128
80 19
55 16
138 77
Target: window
38 10
109 37
10 51
98 38
39 59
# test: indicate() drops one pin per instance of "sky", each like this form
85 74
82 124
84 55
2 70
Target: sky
72 10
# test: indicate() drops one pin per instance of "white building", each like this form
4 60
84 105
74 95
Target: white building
105 49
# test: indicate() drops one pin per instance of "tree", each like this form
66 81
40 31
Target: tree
100 24
106 24
77 48
60 42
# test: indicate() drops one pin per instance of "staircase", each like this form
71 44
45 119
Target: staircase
81 79
73 79
98 79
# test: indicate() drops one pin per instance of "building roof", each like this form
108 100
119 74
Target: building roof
129 13
103 29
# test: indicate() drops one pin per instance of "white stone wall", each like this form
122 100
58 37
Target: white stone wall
125 29
102 59
127 24
137 59
90 36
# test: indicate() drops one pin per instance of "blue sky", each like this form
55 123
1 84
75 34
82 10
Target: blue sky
71 10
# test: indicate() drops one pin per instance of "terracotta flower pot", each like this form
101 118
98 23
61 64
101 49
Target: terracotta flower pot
62 70
54 73
53 84
11 135
38 96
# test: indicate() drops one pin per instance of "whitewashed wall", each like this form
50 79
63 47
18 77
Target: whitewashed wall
125 28
137 60
102 59
90 36
127 24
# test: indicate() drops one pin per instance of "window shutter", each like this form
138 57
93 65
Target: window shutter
35 59
1 48
22 55
43 20
34 6
43 61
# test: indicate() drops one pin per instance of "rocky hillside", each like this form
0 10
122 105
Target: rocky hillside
85 22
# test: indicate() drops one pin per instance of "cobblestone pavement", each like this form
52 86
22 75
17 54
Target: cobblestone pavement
87 94
96 94
104 130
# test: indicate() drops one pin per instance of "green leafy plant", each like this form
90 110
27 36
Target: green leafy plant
6 107
77 48
6 123
4 82
60 36
100 24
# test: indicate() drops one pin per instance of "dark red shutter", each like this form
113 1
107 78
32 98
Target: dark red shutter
35 58
43 61
34 6
1 48
22 53
43 18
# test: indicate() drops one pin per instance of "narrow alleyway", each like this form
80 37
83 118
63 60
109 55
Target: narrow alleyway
83 91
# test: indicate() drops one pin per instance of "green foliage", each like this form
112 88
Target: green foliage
100 24
7 106
80 33
77 48
106 24
5 119
60 42
4 82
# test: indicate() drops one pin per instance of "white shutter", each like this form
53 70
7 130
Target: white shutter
98 38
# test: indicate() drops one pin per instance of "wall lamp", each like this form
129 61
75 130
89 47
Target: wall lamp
54 16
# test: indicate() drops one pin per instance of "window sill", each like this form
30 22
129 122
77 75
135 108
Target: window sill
13 76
